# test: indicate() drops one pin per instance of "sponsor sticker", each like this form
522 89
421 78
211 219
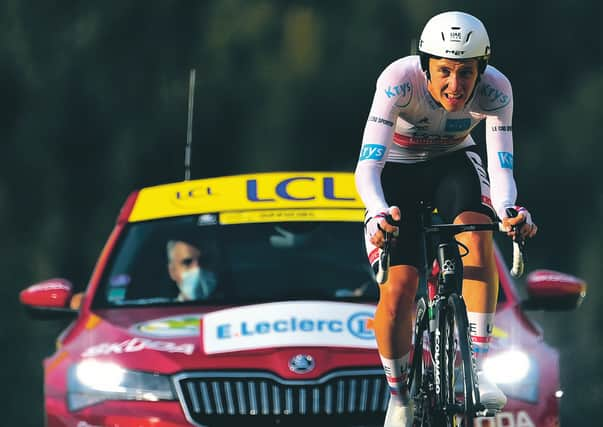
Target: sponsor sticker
372 152
170 327
288 324
506 159
398 90
502 128
273 190
278 215
491 98
456 36
457 125
207 219
506 419
133 345
380 120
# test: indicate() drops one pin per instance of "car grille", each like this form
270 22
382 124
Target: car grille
207 396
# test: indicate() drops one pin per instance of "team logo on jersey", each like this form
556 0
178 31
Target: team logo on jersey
492 98
506 159
502 128
457 125
372 152
402 93
380 120
399 90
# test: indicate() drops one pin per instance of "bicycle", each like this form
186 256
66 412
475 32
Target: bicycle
442 327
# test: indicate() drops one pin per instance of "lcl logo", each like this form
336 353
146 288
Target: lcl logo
283 190
194 193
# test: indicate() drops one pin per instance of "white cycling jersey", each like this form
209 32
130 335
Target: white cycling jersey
406 125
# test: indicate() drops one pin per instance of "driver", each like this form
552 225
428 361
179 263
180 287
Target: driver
195 280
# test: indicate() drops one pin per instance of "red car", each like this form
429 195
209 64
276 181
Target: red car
275 328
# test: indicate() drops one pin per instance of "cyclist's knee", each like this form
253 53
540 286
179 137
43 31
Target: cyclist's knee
479 243
399 292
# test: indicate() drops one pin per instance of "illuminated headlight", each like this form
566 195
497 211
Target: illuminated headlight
91 381
507 367
515 373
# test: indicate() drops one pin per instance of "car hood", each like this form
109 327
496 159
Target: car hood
257 336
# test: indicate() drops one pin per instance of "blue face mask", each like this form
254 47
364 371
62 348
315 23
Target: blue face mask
197 284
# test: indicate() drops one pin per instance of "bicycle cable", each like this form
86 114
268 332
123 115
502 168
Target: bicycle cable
464 247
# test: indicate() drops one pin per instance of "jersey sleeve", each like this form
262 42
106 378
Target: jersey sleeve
393 91
496 100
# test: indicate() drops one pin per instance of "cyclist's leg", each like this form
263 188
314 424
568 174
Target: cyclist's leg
393 316
393 326
463 197
480 287
393 323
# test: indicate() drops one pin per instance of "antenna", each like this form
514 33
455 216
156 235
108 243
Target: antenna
413 46
189 128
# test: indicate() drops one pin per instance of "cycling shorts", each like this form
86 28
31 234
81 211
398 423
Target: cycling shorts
453 184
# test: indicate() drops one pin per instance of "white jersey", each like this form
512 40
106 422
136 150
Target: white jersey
406 125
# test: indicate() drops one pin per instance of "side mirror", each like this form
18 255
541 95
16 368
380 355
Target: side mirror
553 291
49 299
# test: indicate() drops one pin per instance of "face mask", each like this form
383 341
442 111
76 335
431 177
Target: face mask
197 283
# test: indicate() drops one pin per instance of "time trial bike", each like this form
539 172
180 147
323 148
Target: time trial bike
443 378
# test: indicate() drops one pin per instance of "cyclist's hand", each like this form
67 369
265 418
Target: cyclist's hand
527 228
377 225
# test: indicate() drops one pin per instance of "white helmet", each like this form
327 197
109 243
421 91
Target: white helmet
455 35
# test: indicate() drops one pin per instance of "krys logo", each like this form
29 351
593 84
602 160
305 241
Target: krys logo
399 90
356 325
492 98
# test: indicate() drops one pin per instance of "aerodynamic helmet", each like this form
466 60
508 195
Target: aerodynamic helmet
455 35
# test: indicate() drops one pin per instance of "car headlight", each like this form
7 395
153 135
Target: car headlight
92 381
515 373
508 367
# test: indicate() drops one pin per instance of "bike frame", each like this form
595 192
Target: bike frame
443 307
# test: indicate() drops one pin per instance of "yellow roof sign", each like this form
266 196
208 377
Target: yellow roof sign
275 191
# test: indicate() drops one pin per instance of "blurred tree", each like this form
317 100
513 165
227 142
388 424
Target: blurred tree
95 98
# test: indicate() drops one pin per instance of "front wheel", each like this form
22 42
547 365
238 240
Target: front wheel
420 378
458 374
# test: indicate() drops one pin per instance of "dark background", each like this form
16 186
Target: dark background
94 105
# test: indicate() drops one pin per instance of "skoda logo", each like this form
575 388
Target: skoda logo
301 363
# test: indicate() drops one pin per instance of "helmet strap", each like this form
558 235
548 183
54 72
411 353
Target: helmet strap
425 64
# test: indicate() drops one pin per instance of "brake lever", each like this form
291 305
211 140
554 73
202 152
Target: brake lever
384 256
519 244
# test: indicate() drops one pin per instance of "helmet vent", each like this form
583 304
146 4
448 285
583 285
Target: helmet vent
443 37
468 35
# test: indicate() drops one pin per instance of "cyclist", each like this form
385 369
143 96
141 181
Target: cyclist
417 146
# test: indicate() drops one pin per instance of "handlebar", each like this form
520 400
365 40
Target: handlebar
519 244
517 268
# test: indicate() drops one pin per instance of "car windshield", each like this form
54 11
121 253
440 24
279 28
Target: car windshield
238 263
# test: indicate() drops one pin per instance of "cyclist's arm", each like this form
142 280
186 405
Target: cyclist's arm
378 136
498 103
